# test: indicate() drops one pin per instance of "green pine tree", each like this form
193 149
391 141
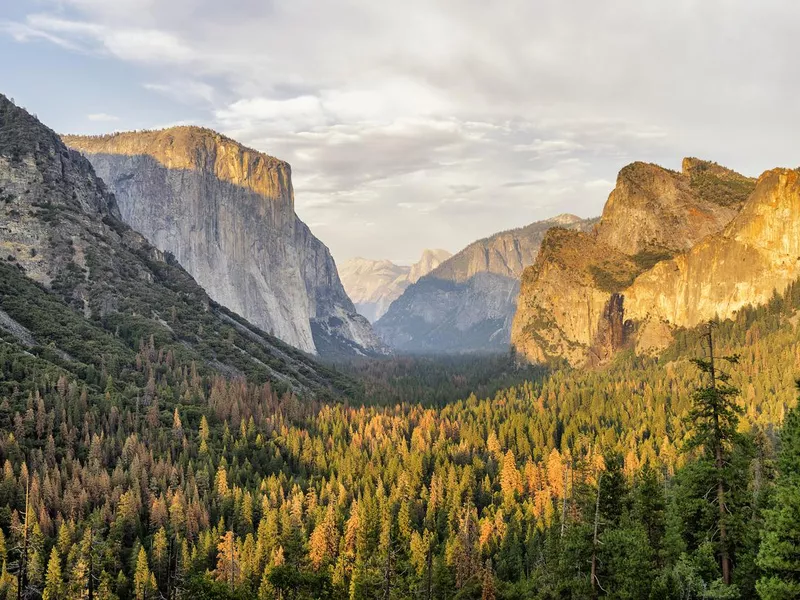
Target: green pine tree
54 583
714 418
779 555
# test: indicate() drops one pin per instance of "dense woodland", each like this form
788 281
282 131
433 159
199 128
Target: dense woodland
146 475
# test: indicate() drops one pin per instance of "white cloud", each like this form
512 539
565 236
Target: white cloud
444 120
186 91
126 43
603 184
102 118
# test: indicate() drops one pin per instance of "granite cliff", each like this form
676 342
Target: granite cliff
467 303
671 250
755 256
374 284
226 213
81 288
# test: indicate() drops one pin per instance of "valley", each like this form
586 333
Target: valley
196 402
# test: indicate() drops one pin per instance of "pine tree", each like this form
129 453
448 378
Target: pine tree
228 561
160 555
488 591
54 583
203 435
144 582
714 417
510 478
324 540
779 555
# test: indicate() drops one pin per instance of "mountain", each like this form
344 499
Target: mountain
671 250
83 291
466 304
374 284
226 213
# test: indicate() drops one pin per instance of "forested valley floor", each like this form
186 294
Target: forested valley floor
143 474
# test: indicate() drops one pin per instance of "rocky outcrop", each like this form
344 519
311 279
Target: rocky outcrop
627 283
226 213
467 303
653 209
565 296
374 284
755 256
103 284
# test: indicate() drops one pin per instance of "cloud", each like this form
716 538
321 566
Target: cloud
604 184
102 118
442 121
126 43
185 91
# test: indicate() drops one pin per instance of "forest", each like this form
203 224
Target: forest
145 474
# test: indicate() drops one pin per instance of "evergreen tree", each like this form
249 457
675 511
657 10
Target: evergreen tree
54 582
714 417
144 582
779 555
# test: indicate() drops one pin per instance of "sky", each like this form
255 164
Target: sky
425 123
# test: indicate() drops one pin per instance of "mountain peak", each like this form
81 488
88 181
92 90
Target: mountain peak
430 259
563 219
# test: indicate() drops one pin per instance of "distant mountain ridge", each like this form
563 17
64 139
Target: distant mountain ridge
467 303
374 284
226 212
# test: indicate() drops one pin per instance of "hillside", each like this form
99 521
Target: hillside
467 303
226 213
82 289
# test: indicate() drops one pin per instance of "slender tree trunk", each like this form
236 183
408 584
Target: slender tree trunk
22 576
429 575
725 561
387 573
169 569
564 505
91 563
232 562
723 534
595 536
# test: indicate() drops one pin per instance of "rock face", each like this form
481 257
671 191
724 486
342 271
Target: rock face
757 254
226 213
671 250
467 303
61 227
374 284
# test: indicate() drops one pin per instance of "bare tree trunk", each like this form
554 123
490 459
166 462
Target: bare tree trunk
564 504
22 576
595 536
387 573
91 563
429 575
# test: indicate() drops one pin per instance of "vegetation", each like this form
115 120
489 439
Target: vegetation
148 476
647 259
156 449
611 280
719 185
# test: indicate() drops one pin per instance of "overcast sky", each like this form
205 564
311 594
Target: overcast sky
425 123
